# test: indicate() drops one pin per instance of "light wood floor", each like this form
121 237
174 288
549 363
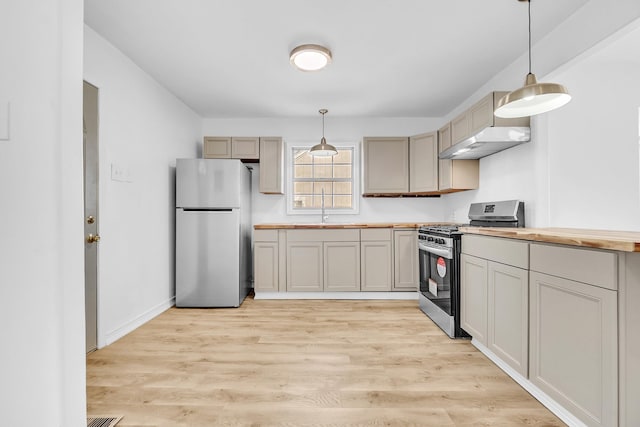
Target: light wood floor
303 363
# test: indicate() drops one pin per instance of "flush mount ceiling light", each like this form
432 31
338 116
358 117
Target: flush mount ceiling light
323 149
532 98
310 57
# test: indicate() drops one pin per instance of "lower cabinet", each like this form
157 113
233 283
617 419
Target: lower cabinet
305 270
574 341
376 260
473 296
508 315
494 301
266 260
323 260
405 260
341 266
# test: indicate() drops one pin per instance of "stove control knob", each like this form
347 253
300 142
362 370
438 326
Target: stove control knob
440 241
429 239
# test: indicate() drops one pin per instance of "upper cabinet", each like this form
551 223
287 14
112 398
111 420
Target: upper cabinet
395 166
225 147
455 175
386 165
271 164
423 163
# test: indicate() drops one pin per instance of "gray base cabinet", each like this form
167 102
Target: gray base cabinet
405 254
376 255
508 315
473 296
305 269
341 266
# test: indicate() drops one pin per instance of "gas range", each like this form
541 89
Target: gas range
438 236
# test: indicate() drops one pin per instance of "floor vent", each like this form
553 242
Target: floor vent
102 421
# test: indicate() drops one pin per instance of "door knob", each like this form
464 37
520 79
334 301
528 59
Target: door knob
91 219
91 238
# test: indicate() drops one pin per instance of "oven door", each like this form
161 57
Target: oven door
436 275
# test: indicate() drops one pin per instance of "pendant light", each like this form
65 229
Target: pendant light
532 98
323 149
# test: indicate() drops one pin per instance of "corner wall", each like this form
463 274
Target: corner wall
142 130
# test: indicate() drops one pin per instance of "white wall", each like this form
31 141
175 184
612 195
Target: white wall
41 232
581 168
143 129
272 208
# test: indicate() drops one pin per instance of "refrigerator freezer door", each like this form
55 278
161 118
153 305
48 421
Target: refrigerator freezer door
207 258
208 183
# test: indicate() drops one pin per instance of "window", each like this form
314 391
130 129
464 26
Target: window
312 176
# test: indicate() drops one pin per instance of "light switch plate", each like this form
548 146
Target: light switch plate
120 173
4 120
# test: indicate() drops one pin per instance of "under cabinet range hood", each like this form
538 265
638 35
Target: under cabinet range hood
477 132
488 141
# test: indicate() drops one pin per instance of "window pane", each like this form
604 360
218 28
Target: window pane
342 171
342 201
342 188
302 157
302 187
323 171
302 202
303 171
319 186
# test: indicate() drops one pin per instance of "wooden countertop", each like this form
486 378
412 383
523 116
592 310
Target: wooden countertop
625 241
344 225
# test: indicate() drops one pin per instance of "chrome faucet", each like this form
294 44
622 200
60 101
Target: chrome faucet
324 217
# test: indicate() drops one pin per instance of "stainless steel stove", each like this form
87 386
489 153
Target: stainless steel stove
439 261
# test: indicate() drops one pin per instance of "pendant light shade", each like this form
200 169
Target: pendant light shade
532 98
323 149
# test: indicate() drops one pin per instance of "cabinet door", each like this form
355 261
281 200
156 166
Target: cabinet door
481 114
376 266
460 128
386 165
304 267
341 266
423 163
405 256
444 137
245 147
574 344
265 266
508 315
271 160
216 147
473 296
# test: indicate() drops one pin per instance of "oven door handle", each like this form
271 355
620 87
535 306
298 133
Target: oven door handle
445 253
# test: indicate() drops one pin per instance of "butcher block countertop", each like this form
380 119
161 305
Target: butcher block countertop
624 241
343 225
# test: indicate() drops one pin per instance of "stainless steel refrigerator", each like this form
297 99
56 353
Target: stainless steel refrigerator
213 232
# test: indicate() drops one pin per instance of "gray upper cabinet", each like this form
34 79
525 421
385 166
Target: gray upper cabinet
271 165
227 147
455 175
423 163
386 165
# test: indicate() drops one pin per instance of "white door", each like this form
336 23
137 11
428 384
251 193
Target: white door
90 119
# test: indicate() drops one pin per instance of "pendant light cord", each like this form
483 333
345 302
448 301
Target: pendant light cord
529 4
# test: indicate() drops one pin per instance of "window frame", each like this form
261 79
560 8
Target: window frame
355 179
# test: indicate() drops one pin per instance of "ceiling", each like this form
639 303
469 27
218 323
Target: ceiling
391 58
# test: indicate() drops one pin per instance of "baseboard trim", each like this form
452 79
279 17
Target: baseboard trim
338 295
559 411
132 325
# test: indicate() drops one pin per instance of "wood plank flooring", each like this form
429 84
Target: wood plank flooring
303 363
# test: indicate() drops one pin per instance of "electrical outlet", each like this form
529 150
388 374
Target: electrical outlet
120 173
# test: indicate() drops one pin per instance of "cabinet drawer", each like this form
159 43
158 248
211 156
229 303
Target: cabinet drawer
265 235
371 234
504 251
323 235
599 268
